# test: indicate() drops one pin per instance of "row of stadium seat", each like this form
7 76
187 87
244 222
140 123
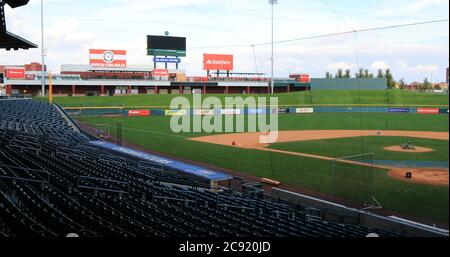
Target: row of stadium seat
53 182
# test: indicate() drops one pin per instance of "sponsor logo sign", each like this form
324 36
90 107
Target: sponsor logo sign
166 60
283 110
443 111
257 111
427 110
218 62
160 73
175 112
399 110
139 113
15 73
304 110
204 112
304 78
108 58
230 111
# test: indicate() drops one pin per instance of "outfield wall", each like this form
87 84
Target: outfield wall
250 111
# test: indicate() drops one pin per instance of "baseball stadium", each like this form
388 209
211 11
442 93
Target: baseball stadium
91 151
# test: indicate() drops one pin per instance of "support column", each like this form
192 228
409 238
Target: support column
102 90
227 91
8 90
268 90
289 88
204 90
156 90
181 90
248 90
129 90
74 90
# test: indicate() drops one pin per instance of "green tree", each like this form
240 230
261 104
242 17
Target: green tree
361 73
367 74
426 84
402 83
328 75
340 74
390 78
380 74
348 74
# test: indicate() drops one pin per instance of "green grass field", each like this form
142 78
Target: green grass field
349 146
430 202
309 98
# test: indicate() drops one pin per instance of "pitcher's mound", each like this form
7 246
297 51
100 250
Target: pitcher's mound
417 149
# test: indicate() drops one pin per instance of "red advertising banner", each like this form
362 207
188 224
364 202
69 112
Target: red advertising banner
428 110
108 58
15 73
304 78
160 73
139 113
218 62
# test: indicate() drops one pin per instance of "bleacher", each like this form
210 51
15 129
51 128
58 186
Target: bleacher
53 182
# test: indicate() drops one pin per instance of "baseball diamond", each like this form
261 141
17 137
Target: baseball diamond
179 124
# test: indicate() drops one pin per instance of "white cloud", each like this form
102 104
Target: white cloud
376 65
411 8
341 65
73 27
422 68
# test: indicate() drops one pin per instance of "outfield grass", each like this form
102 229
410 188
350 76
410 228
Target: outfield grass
422 201
308 98
351 146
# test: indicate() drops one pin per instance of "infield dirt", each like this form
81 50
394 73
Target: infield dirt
420 175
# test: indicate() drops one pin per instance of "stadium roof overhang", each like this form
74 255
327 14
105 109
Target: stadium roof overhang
8 40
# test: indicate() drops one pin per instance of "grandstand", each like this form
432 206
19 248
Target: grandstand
53 182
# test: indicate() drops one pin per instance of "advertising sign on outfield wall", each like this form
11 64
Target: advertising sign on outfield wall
139 113
256 111
443 111
175 112
204 112
283 110
304 110
427 110
399 110
230 111
108 58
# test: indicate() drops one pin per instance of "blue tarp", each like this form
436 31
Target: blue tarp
176 165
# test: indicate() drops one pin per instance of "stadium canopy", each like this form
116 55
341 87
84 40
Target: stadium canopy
8 40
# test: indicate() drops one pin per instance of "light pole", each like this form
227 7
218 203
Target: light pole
272 84
42 50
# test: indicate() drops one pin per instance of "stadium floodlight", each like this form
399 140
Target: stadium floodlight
42 51
272 83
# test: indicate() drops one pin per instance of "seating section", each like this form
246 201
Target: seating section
53 182
36 118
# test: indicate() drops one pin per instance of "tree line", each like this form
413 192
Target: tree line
365 73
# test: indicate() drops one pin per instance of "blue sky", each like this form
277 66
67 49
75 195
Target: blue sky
231 26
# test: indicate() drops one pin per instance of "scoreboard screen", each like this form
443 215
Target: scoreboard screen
166 46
